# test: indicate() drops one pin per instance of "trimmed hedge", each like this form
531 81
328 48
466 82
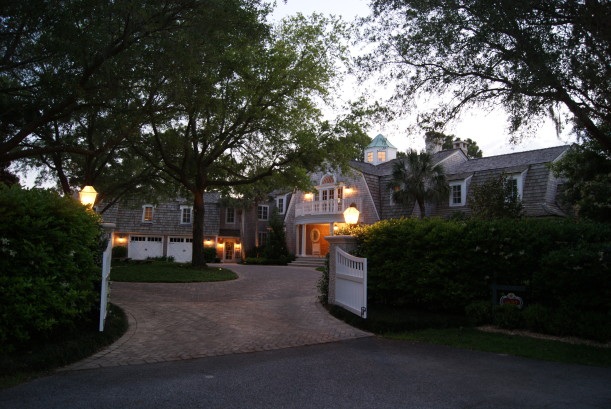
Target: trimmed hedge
445 266
49 246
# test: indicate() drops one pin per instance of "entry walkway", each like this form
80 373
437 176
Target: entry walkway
267 308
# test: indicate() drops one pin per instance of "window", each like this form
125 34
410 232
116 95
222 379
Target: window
458 193
515 185
155 239
147 214
263 212
262 238
230 215
280 205
137 238
369 156
186 214
327 180
382 156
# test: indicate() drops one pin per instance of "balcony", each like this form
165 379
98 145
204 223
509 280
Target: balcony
323 207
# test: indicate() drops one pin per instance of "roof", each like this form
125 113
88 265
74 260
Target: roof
380 141
511 160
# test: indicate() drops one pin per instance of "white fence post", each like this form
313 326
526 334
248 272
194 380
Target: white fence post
347 276
106 260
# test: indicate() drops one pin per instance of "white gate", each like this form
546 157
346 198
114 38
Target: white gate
351 282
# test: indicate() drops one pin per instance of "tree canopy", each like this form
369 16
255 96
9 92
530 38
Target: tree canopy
533 57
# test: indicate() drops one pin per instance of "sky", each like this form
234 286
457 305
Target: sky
488 128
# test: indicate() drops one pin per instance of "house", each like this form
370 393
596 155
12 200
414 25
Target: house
165 229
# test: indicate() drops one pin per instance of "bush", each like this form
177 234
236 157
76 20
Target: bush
323 283
508 316
480 312
49 246
119 252
210 255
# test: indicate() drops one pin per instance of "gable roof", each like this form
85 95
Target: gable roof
380 141
511 161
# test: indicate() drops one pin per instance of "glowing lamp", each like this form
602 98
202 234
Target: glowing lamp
348 190
87 196
308 196
351 215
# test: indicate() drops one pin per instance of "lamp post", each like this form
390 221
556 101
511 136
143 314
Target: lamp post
351 215
87 197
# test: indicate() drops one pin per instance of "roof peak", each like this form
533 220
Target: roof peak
380 141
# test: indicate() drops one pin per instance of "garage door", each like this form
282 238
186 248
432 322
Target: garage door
142 247
180 248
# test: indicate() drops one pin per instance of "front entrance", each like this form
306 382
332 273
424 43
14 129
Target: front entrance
229 251
311 239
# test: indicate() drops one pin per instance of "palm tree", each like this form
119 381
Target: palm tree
417 178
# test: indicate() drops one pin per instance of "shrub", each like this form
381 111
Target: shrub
508 316
323 283
119 252
49 246
480 312
209 254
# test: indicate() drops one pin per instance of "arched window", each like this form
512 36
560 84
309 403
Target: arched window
327 180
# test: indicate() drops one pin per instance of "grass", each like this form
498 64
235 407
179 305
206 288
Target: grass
455 331
65 347
167 272
548 350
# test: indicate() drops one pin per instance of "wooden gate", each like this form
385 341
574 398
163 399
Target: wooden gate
351 282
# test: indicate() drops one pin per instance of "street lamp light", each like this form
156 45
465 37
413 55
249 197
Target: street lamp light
351 215
88 195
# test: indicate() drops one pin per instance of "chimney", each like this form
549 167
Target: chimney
462 145
433 144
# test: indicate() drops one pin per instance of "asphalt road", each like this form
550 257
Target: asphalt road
360 373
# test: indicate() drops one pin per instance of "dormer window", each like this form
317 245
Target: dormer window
147 214
370 157
381 156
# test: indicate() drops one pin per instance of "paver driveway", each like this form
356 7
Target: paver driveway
266 308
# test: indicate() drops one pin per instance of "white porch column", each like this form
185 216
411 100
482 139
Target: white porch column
297 246
331 232
303 239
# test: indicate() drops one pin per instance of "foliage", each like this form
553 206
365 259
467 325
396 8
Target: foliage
439 265
49 246
532 57
495 198
447 143
210 254
275 247
119 252
417 179
587 168
323 283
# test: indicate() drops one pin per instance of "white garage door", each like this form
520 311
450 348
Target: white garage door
142 247
180 248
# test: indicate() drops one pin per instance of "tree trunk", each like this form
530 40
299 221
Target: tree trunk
422 209
197 257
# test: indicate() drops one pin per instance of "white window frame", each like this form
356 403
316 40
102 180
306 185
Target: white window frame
148 206
263 215
281 209
227 213
463 193
519 178
369 157
182 214
381 156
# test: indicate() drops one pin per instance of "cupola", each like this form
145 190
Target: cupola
380 151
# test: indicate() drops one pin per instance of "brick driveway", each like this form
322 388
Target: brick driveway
266 308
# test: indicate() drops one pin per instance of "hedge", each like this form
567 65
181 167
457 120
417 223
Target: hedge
49 247
445 266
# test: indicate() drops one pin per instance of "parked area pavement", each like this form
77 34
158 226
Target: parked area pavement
368 372
267 308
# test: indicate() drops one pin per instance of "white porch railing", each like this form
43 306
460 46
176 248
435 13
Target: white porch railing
351 282
333 206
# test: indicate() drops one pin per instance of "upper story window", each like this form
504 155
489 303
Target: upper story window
515 182
458 193
263 212
280 204
327 180
262 238
230 215
147 214
186 214
382 156
369 156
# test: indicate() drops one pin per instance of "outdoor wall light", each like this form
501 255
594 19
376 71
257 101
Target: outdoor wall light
348 190
88 195
308 196
351 215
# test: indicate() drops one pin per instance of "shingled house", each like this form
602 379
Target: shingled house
165 230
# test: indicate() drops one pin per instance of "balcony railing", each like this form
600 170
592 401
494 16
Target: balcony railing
333 206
